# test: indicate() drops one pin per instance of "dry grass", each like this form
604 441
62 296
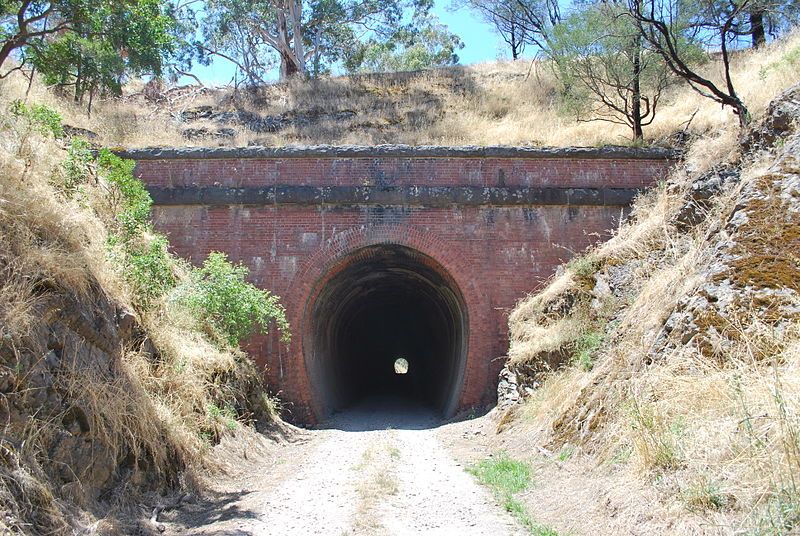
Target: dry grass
146 406
710 421
510 103
377 481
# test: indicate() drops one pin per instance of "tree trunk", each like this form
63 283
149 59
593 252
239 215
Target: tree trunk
636 90
5 51
758 33
514 44
288 66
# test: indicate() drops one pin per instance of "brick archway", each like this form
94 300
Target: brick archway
359 245
494 221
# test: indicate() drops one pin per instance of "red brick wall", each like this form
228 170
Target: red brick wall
495 255
430 171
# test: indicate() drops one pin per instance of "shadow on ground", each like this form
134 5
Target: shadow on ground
216 508
384 412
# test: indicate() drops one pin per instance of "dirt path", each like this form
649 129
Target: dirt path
373 470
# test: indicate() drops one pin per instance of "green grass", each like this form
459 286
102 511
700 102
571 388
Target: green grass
583 267
704 495
506 477
503 474
566 452
585 348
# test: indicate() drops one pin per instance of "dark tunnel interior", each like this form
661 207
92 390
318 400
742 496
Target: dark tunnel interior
389 302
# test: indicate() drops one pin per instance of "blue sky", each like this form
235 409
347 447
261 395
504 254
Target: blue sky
480 43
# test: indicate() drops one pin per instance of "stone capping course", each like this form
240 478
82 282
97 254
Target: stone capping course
405 151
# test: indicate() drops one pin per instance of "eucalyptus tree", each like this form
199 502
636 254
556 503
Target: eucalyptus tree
117 41
423 44
304 38
606 72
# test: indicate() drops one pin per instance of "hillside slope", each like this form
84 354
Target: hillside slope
661 371
105 404
500 103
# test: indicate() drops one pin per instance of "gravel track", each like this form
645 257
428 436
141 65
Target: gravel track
376 469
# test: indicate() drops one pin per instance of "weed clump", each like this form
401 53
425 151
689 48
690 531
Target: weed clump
507 477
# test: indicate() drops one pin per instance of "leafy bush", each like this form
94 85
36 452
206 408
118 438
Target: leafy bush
141 253
77 167
133 202
43 119
230 308
148 267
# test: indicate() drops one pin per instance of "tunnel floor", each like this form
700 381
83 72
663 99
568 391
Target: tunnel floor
390 323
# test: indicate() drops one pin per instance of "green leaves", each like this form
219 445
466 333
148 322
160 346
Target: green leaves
606 72
229 306
424 44
141 253
88 46
43 119
135 203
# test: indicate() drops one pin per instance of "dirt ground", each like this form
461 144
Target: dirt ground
387 469
379 468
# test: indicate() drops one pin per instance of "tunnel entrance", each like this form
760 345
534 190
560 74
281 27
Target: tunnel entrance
391 321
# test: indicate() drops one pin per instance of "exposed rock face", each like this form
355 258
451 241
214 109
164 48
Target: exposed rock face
703 189
507 389
747 267
53 376
782 114
754 272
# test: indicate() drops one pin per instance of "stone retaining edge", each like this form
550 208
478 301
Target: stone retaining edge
406 151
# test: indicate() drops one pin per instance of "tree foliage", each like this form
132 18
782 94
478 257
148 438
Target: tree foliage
426 43
606 72
228 305
310 38
88 46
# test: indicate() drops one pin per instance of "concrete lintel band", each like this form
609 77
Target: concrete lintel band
428 196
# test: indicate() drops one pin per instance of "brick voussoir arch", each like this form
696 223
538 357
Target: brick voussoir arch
352 246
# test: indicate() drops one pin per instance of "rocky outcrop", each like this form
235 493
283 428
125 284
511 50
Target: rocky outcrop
747 269
68 373
754 272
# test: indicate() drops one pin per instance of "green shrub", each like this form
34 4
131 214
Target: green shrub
142 254
131 199
148 267
76 169
43 119
585 347
227 305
